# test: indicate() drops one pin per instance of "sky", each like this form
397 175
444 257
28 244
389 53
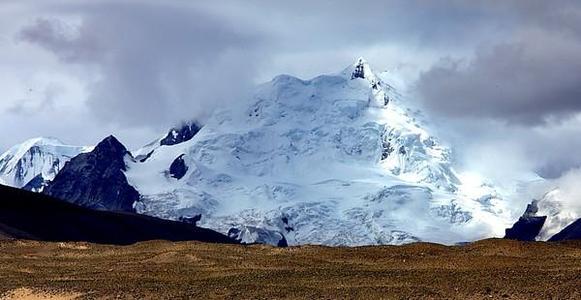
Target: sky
500 79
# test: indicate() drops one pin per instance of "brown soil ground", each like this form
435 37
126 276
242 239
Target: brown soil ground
497 269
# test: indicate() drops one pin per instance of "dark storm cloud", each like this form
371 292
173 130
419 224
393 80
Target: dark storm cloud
347 22
530 77
156 63
61 39
161 62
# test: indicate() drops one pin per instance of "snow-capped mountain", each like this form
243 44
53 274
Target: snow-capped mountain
39 159
340 159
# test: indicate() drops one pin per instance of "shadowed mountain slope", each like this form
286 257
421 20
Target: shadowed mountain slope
96 179
27 215
571 232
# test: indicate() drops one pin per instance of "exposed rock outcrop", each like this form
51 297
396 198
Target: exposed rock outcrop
528 227
37 184
178 168
96 179
180 134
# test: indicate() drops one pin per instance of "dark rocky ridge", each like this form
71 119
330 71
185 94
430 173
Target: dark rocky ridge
96 179
571 232
528 227
28 215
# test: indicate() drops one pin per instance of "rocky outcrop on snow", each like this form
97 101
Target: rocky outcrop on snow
178 167
175 136
37 184
180 134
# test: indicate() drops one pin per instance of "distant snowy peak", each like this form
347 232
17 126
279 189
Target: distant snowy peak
41 156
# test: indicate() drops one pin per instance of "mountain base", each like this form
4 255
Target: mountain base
165 270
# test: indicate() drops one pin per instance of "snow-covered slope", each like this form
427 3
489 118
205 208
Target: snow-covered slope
179 134
38 156
339 159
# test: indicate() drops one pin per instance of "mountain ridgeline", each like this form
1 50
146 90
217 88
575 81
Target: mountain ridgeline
96 179
528 226
28 215
340 159
571 232
35 162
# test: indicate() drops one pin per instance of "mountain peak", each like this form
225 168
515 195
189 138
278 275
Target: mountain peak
38 141
111 140
111 145
361 69
37 156
44 141
96 179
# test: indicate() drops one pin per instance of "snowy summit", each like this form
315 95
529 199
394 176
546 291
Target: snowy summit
339 159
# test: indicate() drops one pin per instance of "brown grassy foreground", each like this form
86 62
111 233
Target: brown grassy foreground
497 269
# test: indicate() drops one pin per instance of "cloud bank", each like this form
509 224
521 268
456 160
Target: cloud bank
155 63
500 79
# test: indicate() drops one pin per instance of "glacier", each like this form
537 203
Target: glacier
340 159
